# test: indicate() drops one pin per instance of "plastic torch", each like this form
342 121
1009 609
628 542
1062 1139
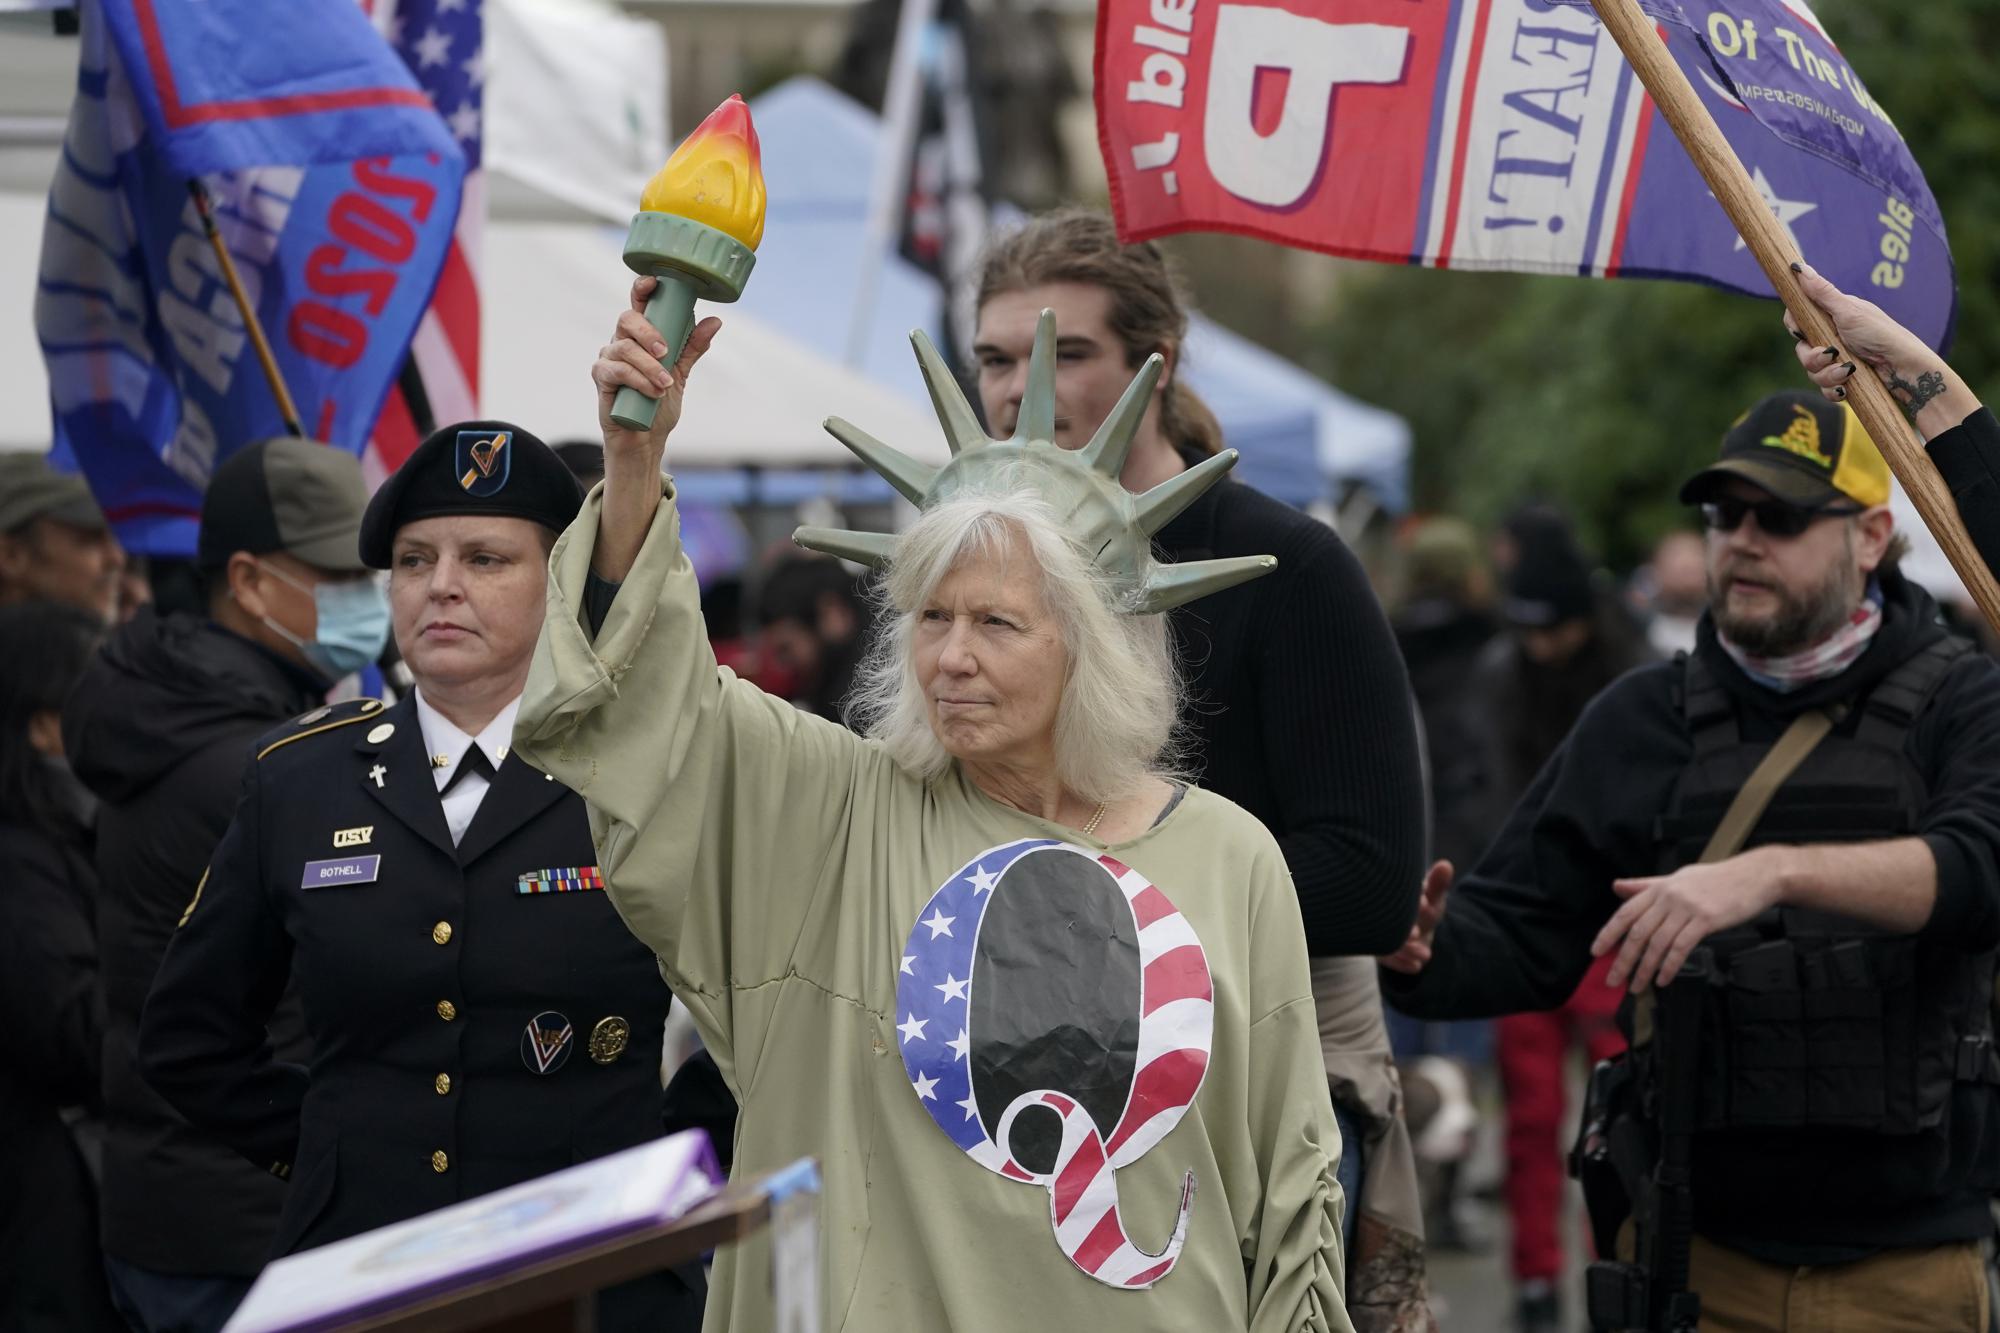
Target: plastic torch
697 231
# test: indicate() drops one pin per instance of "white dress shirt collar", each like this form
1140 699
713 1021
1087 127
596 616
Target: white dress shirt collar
446 744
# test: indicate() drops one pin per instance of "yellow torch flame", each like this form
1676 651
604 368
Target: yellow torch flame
716 176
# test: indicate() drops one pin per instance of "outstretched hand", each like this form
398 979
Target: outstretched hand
631 360
1665 917
1416 950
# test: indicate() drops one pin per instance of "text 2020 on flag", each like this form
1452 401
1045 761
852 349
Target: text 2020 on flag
336 186
1509 134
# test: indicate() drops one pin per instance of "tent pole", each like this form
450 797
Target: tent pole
900 107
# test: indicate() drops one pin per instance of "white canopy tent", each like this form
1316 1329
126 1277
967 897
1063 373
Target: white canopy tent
552 292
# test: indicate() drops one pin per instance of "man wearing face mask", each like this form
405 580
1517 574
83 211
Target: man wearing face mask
160 728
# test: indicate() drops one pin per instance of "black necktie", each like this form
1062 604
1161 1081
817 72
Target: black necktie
475 761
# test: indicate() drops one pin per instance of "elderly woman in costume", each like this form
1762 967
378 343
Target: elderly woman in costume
1042 1012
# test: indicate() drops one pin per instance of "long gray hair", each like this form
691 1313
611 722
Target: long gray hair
1115 725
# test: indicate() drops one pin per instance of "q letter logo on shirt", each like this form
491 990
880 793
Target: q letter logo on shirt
1056 1014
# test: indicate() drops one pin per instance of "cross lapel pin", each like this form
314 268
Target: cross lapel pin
378 773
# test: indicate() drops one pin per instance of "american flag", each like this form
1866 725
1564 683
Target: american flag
443 42
935 985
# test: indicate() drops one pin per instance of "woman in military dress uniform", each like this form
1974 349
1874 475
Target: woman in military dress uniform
479 1014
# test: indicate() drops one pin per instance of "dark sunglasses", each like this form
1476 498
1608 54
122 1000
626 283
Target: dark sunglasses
1775 518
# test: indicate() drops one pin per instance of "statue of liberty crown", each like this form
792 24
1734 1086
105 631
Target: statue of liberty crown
1081 486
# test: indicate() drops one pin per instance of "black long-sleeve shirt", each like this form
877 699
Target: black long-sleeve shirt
1968 458
1300 712
1517 931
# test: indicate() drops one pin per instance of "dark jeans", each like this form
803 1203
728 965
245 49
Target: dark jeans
170 1302
1349 1173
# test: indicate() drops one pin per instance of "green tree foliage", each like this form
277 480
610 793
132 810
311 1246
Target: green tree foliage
1602 396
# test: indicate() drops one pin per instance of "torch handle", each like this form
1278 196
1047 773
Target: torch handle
671 311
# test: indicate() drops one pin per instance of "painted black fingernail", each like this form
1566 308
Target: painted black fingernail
1840 391
1798 267
1798 336
1833 353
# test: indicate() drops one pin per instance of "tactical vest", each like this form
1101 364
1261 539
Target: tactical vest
1812 1019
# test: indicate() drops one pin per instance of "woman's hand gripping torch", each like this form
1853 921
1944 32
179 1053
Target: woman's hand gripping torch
697 232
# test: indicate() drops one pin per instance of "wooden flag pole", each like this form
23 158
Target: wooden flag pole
272 375
1768 241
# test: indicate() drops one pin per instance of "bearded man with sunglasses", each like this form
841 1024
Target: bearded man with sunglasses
1846 1107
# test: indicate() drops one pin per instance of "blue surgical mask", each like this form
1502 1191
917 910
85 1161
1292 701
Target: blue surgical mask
353 624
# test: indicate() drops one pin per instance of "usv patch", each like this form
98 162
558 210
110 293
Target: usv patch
353 837
546 1042
329 874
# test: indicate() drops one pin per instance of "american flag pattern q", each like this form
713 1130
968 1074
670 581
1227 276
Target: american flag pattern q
1055 1014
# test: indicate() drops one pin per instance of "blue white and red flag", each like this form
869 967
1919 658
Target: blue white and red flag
1510 134
443 43
335 187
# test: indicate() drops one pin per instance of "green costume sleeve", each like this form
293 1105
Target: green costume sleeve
1293 1252
716 808
1294 1266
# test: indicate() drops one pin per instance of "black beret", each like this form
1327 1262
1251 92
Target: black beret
473 467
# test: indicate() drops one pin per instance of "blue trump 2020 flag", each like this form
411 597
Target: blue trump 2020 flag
1510 134
335 186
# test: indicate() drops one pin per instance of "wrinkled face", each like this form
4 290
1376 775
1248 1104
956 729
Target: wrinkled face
991 661
1773 596
54 561
466 593
1091 371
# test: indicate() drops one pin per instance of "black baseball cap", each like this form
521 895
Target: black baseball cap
1549 584
297 496
1801 448
472 467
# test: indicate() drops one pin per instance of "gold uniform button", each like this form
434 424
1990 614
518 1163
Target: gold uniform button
447 1010
441 933
439 1162
442 1083
609 1039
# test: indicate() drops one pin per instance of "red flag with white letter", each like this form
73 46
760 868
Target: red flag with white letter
1509 134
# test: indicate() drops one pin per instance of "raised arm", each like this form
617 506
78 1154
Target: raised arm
715 807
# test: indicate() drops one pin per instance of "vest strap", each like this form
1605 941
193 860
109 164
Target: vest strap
1711 716
1807 731
1894 705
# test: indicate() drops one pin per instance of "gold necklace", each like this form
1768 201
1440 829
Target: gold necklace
1091 827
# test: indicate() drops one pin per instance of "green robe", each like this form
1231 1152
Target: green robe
786 872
